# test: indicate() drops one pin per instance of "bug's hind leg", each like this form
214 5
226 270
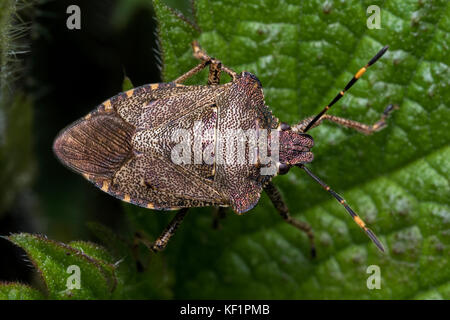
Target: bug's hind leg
361 127
160 243
164 238
275 196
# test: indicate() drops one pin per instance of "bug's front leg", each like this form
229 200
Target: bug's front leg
361 127
275 196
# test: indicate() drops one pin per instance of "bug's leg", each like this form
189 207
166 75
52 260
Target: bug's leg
275 196
219 213
164 238
361 127
216 65
191 72
214 72
230 72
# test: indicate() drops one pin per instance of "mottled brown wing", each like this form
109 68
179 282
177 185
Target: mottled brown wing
99 147
149 181
153 106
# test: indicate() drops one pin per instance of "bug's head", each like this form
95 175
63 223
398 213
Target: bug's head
295 148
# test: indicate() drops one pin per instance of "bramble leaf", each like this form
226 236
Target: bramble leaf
18 291
304 52
80 270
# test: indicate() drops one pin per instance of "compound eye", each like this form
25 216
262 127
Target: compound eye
283 168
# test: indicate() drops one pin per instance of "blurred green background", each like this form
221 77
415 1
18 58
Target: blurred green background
304 53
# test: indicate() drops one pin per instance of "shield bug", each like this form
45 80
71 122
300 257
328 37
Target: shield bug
166 146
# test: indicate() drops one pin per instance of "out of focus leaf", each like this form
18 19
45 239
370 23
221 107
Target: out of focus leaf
55 262
18 291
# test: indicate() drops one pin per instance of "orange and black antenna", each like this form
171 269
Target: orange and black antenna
347 87
352 213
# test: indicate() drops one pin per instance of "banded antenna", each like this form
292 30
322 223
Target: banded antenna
342 201
347 87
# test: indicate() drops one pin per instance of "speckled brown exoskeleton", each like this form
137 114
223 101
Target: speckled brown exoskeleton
125 146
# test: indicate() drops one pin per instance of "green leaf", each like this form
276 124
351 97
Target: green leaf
55 262
18 291
304 52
